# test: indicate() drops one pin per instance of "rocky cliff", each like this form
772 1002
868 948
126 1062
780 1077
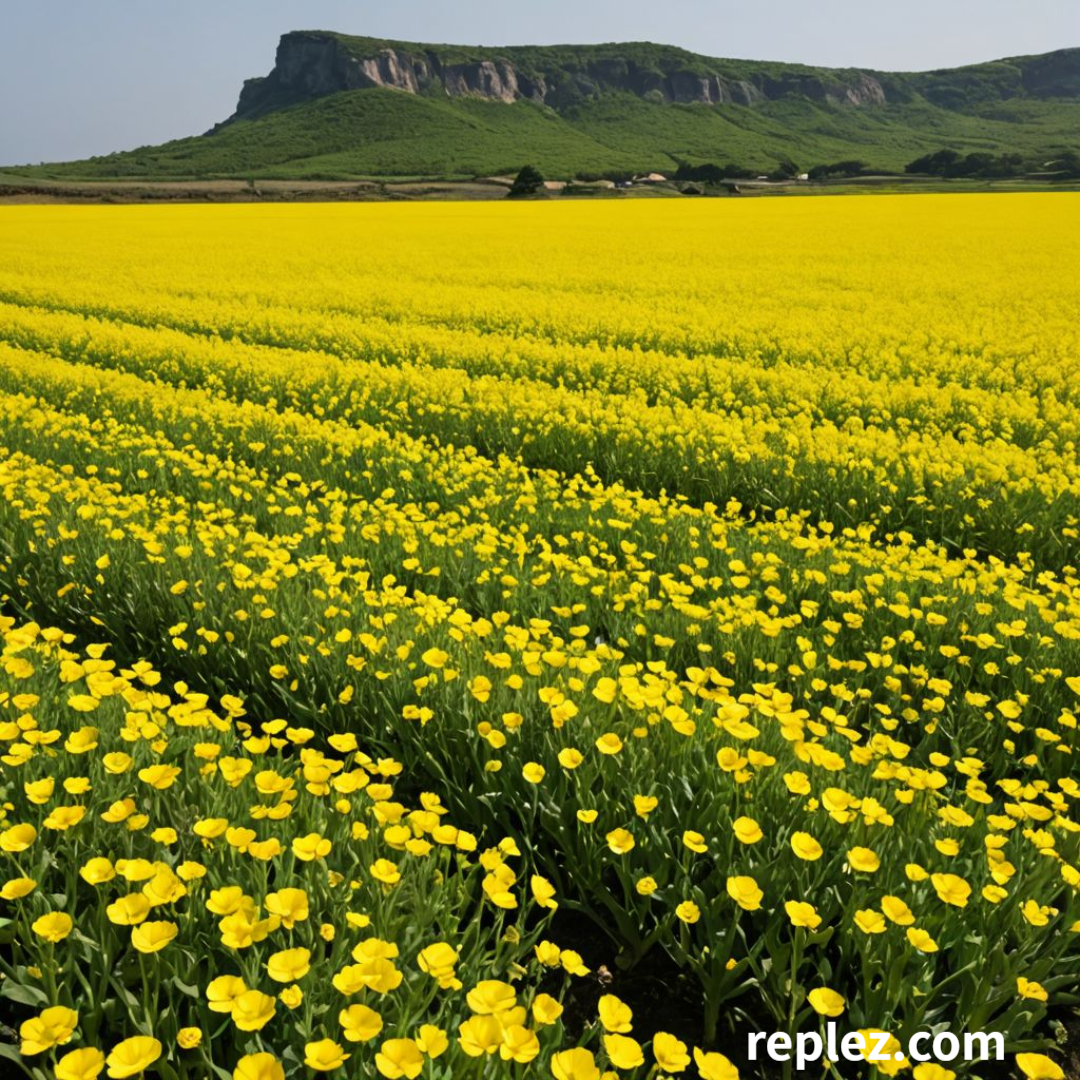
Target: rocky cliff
314 63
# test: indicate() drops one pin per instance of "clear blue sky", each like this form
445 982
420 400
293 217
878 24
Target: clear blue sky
82 77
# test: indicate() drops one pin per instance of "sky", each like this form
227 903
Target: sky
79 78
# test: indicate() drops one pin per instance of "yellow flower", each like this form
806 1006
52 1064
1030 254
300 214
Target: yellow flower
615 1016
826 1002
379 975
188 1038
260 1066
921 940
159 777
385 871
399 1057
222 992
891 1058
863 860
1035 913
929 1070
576 1064
152 937
210 828
128 910
132 1056
670 1052
802 914
714 1066
324 1055
623 1051
39 791
646 886
573 963
17 838
290 905
97 871
798 783
52 1027
491 997
870 921
519 1044
1027 988
17 888
225 901
431 1040
548 954
747 830
695 842
951 889
569 758
83 1064
546 1010
688 912
290 965
117 762
1039 1067
896 911
543 892
359 1023
620 841
805 846
311 847
745 892
164 887
480 1035
533 772
53 927
437 960
253 1010
64 817
609 743
135 869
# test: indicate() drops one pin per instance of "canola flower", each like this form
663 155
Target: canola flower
405 609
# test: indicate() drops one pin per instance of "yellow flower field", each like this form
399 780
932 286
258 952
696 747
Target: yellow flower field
458 640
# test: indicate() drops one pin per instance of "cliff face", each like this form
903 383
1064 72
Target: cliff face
312 64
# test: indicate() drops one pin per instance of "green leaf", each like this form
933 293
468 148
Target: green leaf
190 989
24 995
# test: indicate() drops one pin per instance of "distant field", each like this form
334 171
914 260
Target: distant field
532 639
15 190
31 190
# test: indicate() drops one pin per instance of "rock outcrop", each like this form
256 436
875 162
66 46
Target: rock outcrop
311 64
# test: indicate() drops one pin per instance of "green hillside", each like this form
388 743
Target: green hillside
296 124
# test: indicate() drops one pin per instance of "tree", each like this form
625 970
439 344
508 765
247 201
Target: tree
785 170
838 168
709 173
939 164
528 182
978 164
1067 166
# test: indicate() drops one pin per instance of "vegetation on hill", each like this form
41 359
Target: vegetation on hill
1027 107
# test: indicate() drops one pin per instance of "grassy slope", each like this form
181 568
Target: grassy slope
388 133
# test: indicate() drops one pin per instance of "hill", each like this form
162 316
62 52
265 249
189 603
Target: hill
337 107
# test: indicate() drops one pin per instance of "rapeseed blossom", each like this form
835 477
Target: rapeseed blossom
402 615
